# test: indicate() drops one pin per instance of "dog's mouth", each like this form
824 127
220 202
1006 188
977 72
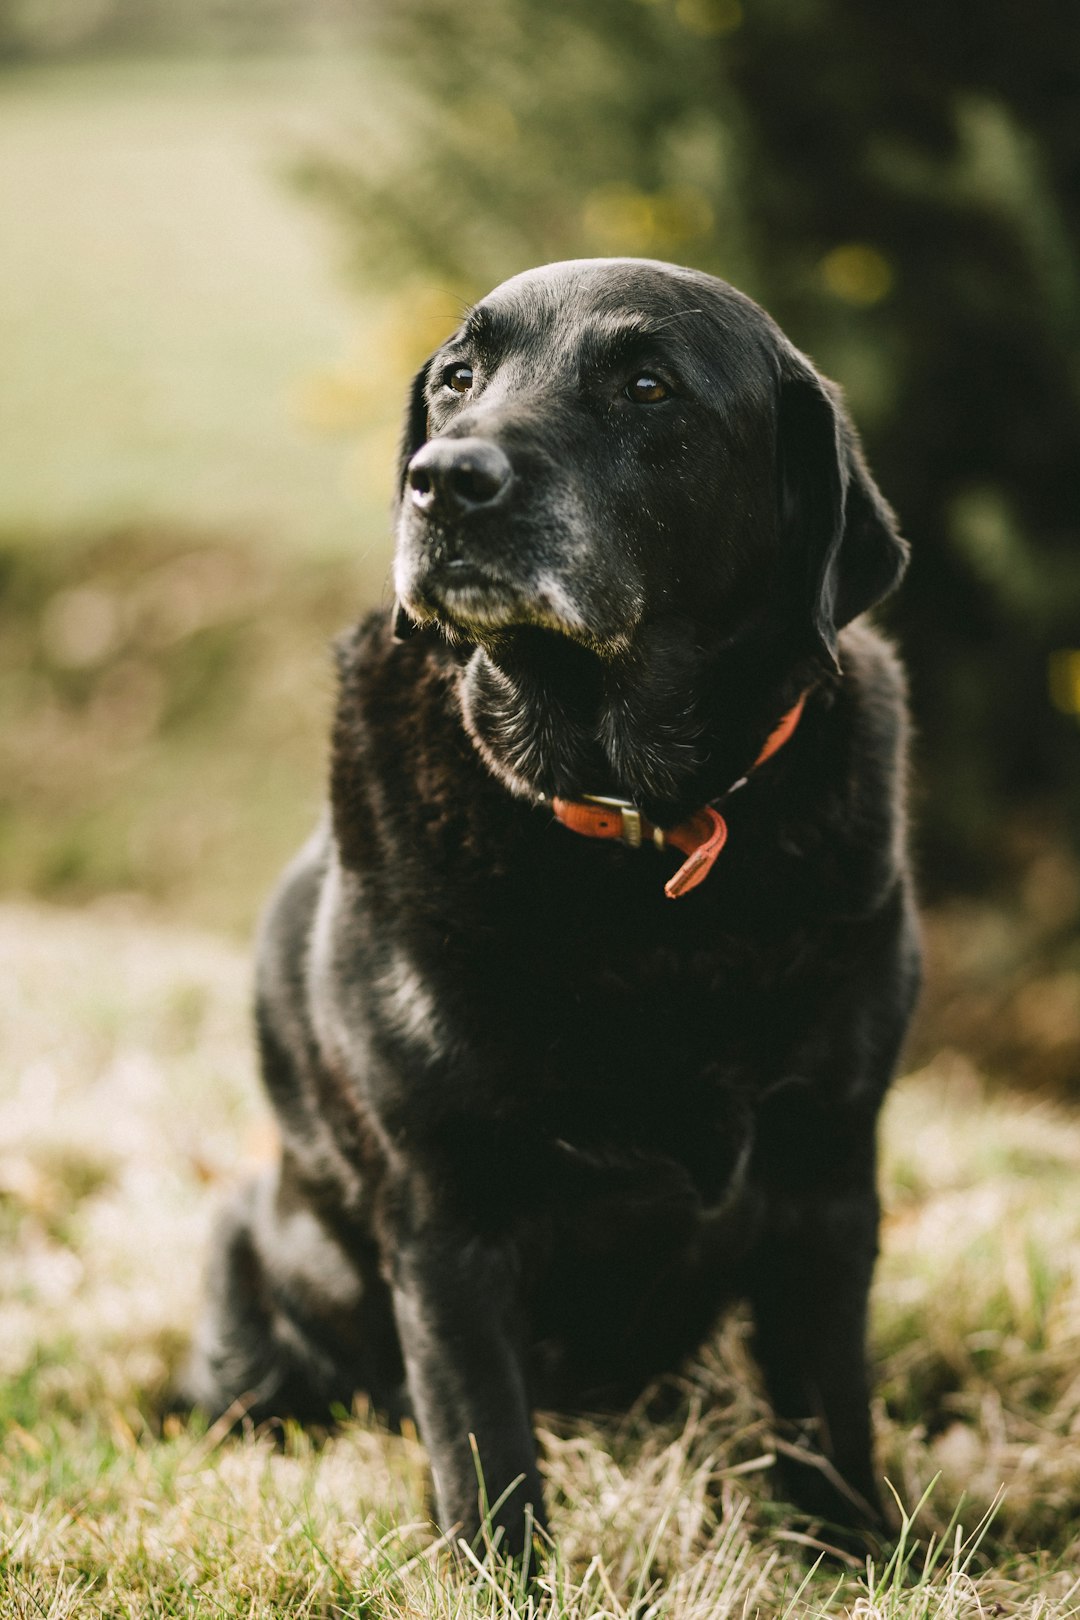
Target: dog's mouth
470 595
471 600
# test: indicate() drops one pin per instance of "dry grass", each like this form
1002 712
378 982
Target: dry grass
127 1098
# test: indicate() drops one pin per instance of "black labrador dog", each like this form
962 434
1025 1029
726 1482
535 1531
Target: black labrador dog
578 1012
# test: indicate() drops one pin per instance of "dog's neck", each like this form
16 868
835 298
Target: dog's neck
668 726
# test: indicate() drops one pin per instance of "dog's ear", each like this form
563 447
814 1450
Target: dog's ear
832 514
414 431
413 434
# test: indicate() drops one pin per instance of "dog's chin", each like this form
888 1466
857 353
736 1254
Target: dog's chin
480 609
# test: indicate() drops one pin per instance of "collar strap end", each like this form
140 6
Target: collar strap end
702 856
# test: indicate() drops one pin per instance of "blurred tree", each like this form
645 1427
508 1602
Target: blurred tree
901 188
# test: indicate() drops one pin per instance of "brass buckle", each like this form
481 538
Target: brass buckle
631 817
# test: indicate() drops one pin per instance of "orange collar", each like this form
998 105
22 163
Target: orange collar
700 837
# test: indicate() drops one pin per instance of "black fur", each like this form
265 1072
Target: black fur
540 1123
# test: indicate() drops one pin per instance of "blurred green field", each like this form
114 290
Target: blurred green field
165 301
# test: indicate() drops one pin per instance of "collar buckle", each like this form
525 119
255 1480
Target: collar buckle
700 838
631 817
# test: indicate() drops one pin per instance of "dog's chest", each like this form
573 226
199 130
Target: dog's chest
691 1166
649 1024
638 1098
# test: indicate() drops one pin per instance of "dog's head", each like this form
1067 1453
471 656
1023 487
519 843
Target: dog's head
608 444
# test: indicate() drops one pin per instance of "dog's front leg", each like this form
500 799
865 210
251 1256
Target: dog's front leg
454 1301
808 1289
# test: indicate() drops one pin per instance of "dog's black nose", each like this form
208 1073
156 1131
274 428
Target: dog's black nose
457 476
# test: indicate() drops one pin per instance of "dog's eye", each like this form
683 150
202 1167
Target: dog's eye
646 389
459 378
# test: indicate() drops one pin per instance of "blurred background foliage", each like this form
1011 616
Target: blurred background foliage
901 188
203 373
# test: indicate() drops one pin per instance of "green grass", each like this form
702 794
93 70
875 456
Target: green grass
128 1104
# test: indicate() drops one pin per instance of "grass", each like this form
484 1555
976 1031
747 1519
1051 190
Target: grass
128 1103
